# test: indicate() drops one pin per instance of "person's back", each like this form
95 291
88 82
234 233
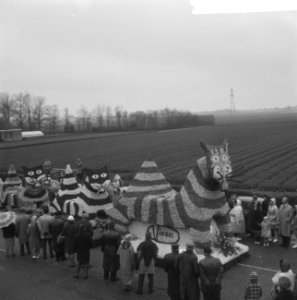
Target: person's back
43 225
170 266
189 273
56 226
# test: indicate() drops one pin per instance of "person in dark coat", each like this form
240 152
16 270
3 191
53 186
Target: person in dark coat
211 273
256 220
189 274
284 292
21 231
170 266
56 226
82 248
147 253
85 221
8 235
248 212
110 243
68 233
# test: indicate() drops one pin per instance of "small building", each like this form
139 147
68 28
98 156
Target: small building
32 134
10 135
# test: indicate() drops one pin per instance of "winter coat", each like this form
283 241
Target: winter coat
170 266
55 227
82 246
273 216
21 227
237 219
211 273
43 225
189 273
256 219
285 219
147 252
8 231
69 232
111 241
127 262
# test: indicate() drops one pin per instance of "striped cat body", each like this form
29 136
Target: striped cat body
10 188
199 201
96 194
37 186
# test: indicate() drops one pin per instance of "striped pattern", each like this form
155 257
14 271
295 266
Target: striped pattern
151 199
69 189
72 208
144 199
10 187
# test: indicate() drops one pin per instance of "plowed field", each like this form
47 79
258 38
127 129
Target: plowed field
265 154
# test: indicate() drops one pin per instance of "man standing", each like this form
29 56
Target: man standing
211 273
147 252
56 226
285 219
21 231
111 241
189 273
46 237
170 266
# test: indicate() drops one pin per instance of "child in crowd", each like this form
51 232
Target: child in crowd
253 291
265 231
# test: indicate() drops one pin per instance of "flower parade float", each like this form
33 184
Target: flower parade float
198 212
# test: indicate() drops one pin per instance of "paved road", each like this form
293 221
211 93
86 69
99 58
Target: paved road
22 278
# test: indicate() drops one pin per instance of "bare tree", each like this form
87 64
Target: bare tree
84 120
99 115
52 117
7 108
109 117
39 110
118 115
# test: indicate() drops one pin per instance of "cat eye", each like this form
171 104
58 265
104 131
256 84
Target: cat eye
103 175
215 158
39 172
30 173
95 176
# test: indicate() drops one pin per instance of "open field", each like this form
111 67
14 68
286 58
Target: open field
264 152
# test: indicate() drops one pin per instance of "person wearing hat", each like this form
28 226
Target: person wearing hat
68 233
253 291
147 253
170 266
211 273
285 271
82 248
188 267
285 220
110 243
127 262
283 291
273 218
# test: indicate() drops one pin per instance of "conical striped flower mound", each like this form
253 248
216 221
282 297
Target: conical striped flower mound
69 189
144 197
11 186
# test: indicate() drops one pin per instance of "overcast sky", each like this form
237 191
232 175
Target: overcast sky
146 54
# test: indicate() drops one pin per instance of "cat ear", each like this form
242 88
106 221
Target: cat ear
205 147
105 169
25 169
225 145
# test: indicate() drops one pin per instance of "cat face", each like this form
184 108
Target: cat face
219 163
35 178
99 179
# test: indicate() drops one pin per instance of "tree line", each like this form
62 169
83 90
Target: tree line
29 112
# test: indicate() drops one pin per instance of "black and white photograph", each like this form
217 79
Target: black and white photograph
148 150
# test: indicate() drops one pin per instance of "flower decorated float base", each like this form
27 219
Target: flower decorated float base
227 250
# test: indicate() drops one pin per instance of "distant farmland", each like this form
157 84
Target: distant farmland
265 154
